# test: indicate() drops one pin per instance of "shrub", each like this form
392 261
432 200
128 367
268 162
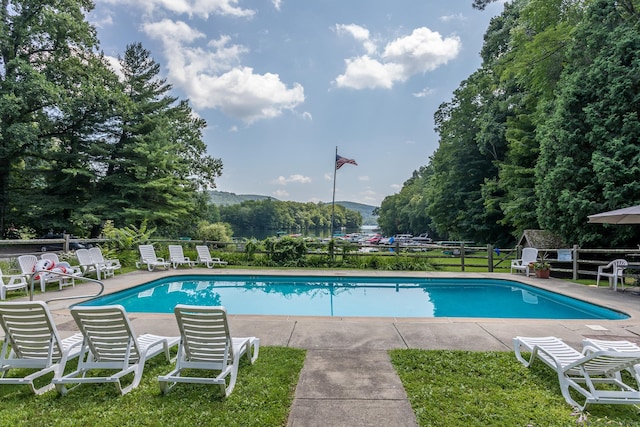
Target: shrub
216 232
286 251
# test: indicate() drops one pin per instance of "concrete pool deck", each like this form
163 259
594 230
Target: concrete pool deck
347 378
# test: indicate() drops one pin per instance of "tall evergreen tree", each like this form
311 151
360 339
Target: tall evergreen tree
157 160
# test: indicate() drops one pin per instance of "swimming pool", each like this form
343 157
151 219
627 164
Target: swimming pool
356 296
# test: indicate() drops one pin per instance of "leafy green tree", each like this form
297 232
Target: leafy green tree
218 232
590 158
481 4
461 166
42 46
71 167
406 212
260 215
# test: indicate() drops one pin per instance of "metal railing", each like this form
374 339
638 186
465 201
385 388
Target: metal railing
32 281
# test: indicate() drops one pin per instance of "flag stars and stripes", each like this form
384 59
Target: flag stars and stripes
342 160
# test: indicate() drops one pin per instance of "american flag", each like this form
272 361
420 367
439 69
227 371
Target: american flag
342 160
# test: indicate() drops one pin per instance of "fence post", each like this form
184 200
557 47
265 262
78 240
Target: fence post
65 246
490 258
576 250
462 256
518 251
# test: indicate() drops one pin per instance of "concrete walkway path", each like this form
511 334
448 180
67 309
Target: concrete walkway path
338 388
347 378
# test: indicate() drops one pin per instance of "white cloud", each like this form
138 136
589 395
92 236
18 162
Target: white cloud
424 92
190 8
421 51
277 4
280 194
298 179
102 22
115 65
363 178
359 33
364 72
424 50
212 77
454 17
369 196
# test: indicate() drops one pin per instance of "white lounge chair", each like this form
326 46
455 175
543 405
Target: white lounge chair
148 257
73 271
11 282
529 255
110 344
105 266
31 341
583 371
617 267
591 345
85 262
204 257
28 265
176 257
206 344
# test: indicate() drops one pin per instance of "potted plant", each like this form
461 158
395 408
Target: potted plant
542 269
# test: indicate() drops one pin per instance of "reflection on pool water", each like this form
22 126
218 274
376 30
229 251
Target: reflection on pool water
357 296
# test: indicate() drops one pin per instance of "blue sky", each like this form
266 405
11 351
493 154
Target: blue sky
281 83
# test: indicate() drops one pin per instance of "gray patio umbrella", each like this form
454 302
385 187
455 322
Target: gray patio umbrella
630 215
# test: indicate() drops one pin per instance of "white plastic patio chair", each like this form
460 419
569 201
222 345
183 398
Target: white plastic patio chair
31 341
617 267
591 345
27 265
207 344
104 267
11 282
85 262
73 271
109 343
582 372
529 255
176 257
148 257
204 257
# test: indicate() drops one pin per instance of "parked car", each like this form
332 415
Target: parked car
385 241
374 240
60 246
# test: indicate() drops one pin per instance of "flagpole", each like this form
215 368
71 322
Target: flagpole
333 200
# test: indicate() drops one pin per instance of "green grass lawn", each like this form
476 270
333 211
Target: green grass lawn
462 388
262 397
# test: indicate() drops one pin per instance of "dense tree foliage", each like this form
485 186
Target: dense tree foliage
590 157
260 215
543 134
79 145
44 47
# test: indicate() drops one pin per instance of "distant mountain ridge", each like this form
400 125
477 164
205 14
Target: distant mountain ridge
225 199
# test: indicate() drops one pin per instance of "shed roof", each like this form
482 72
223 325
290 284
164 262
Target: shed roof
541 239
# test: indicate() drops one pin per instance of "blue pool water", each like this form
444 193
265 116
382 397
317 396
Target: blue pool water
356 296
